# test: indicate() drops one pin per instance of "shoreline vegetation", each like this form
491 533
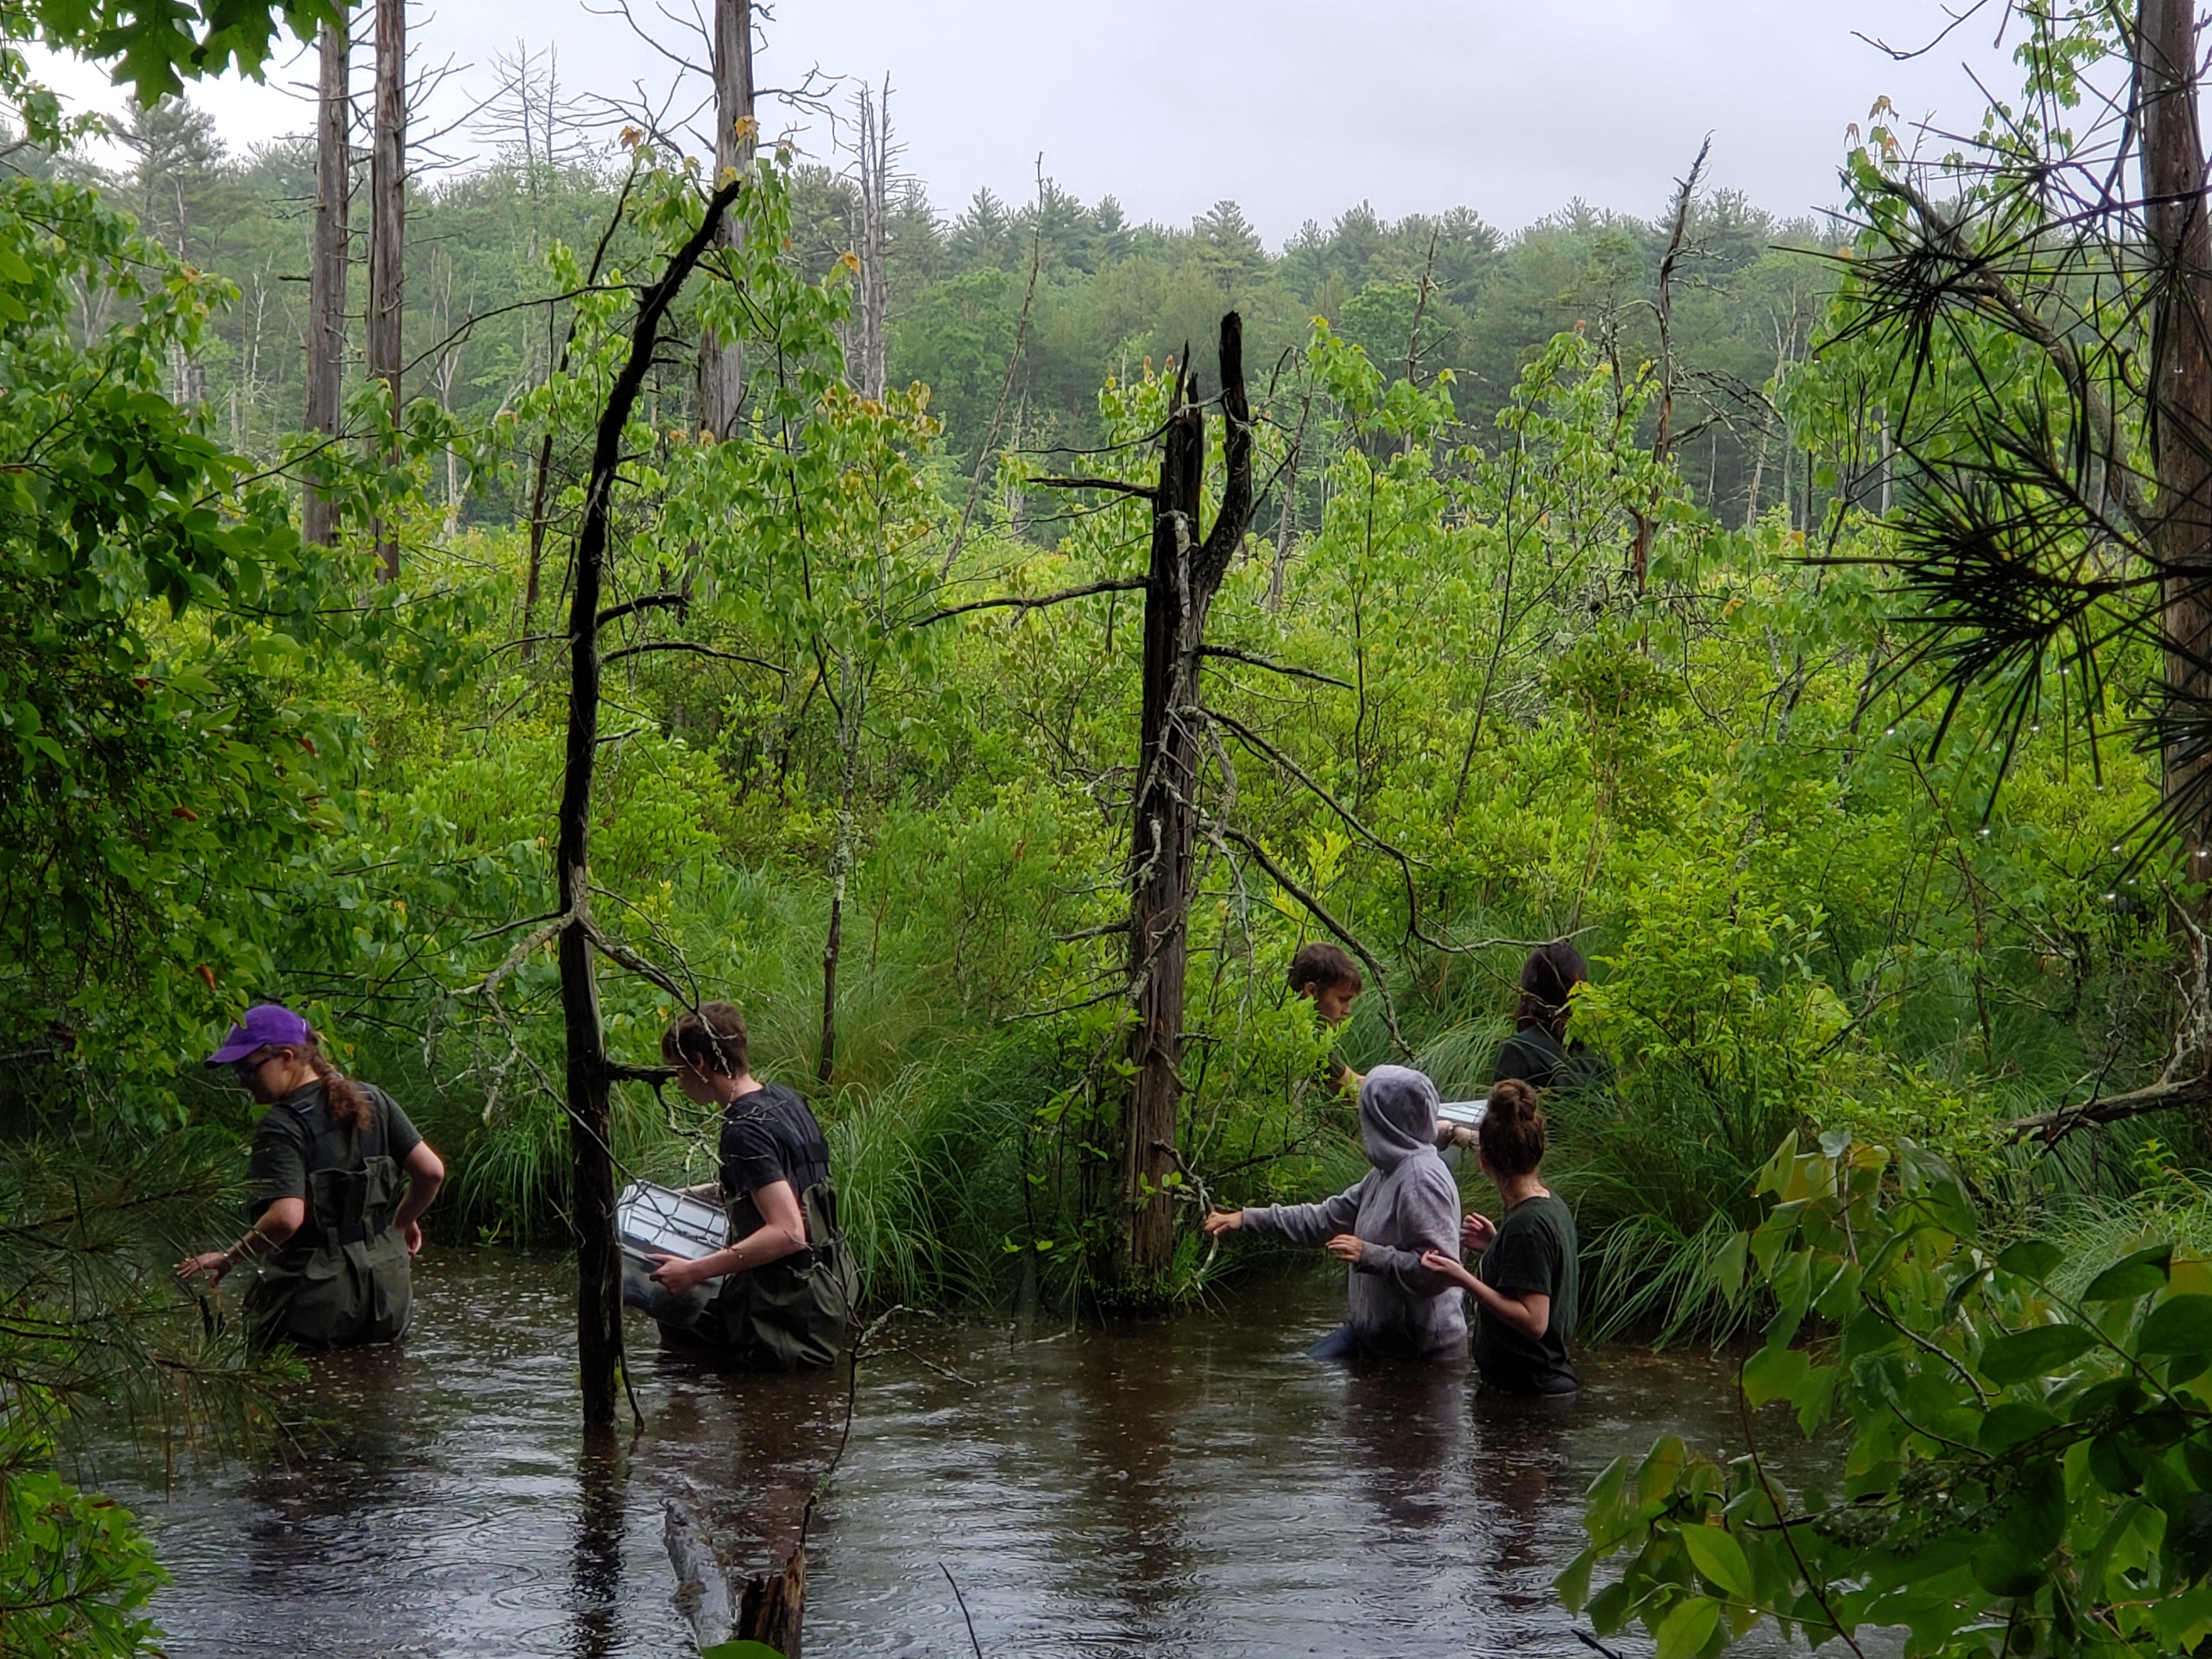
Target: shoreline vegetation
1799 639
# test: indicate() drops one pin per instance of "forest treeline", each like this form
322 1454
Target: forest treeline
1441 295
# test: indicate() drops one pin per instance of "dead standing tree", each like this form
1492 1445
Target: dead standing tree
1175 731
723 362
876 155
1186 572
387 211
326 271
599 1262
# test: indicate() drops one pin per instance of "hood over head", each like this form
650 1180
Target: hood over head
1397 1115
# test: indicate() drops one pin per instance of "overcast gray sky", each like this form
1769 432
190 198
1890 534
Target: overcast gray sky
1295 108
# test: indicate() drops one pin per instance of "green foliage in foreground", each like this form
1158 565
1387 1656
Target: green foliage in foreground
2026 1468
75 1574
97 1336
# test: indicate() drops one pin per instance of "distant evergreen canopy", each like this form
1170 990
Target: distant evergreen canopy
1109 295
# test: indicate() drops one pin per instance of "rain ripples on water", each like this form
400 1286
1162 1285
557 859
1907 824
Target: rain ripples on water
1190 1486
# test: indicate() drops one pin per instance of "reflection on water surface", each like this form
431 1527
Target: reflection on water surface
1190 1486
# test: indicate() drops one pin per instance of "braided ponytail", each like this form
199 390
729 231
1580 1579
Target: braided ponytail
345 1101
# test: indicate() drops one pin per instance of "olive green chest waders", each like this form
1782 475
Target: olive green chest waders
342 1279
789 1315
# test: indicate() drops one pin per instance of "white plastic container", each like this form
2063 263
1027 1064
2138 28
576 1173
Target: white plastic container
652 1221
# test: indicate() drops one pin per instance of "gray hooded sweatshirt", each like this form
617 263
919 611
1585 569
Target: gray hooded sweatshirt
1408 1203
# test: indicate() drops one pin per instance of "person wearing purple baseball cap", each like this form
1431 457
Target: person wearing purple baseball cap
332 1235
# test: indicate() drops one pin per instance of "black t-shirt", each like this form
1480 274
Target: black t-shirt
768 1135
284 1143
1534 1055
1533 1251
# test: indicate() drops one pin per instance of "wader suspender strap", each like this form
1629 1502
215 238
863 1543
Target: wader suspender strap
324 1149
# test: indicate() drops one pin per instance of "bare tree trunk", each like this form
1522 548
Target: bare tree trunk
850 709
1662 440
326 269
1184 576
2166 69
387 165
875 235
1286 522
722 365
592 1199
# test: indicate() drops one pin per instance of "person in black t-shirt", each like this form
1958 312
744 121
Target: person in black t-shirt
1538 1053
1525 1286
786 1280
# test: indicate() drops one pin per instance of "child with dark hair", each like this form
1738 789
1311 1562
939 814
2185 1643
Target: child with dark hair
788 1282
1330 980
1524 1286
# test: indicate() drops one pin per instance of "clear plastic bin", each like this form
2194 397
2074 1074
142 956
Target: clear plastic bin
652 1221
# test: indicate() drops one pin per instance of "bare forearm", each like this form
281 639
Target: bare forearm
421 1192
756 1250
267 1236
1511 1310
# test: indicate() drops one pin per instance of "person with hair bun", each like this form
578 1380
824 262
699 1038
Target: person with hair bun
1524 1286
788 1279
332 1234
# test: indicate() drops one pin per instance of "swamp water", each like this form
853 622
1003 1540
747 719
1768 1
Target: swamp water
1188 1486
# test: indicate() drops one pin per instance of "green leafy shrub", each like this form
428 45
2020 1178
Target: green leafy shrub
2023 1470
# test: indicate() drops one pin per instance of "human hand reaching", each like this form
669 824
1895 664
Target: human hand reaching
1444 1267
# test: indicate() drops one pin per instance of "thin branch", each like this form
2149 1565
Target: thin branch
1273 667
1142 492
675 601
2113 1108
1118 585
696 649
972 1642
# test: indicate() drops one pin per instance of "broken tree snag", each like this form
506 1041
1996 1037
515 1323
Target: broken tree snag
387 213
1185 574
723 362
773 1604
326 267
592 1197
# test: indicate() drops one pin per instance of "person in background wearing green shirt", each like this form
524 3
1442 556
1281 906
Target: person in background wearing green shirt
1524 1286
331 1236
1329 980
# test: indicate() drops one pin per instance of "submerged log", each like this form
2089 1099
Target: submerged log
768 1609
702 1588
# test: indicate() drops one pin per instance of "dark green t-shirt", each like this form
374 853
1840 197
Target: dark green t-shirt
284 1144
1535 1250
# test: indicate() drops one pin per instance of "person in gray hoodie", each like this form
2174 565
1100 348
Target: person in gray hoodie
1406 1205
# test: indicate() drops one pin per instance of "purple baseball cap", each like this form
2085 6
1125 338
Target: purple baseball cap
265 1023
